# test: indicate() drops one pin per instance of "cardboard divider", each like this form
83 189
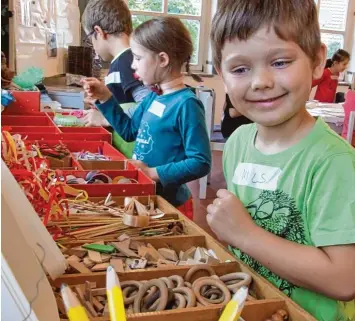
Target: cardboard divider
67 163
106 165
145 185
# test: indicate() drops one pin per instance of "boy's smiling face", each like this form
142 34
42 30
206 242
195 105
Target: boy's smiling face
268 79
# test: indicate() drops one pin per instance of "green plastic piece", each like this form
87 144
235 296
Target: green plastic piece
29 78
67 121
100 248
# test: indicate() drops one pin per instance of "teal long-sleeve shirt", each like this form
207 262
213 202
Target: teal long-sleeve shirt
171 135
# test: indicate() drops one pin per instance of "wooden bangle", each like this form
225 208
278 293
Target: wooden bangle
197 268
169 283
177 280
163 300
199 283
129 287
234 281
189 294
180 300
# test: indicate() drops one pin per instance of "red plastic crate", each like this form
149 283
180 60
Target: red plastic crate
26 102
145 185
21 120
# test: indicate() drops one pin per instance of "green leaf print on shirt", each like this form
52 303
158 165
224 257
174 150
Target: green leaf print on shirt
276 212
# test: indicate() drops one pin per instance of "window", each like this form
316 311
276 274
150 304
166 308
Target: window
191 13
334 16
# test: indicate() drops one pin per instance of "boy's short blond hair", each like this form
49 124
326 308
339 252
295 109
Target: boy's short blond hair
294 20
113 16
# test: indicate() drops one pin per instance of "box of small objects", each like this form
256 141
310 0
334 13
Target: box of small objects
175 272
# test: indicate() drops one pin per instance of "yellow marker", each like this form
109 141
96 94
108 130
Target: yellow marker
114 296
75 311
234 307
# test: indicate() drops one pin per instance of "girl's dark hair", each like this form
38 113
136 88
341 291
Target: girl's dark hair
339 56
169 35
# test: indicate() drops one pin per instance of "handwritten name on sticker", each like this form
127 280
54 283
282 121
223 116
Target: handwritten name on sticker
157 108
257 176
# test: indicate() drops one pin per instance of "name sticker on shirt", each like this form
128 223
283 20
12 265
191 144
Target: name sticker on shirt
113 78
157 108
257 176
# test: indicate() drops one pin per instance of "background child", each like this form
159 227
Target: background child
108 26
328 83
289 212
232 119
349 106
172 145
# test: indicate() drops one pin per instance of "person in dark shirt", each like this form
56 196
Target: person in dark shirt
108 26
232 119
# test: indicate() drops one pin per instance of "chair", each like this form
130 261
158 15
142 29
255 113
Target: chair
208 98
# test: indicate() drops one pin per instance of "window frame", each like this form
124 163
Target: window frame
204 19
347 34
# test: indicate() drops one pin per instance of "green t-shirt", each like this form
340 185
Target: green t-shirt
305 194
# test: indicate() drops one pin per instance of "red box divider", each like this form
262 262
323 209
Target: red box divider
145 185
21 120
24 130
83 137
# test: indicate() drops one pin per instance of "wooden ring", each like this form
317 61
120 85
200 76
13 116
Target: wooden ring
238 280
199 283
169 283
177 280
197 268
214 296
181 301
189 294
163 300
131 287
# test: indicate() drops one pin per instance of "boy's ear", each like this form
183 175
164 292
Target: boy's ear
100 32
164 59
320 62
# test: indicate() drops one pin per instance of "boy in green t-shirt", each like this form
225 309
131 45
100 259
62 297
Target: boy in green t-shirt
289 212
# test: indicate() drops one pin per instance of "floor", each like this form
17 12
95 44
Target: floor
216 182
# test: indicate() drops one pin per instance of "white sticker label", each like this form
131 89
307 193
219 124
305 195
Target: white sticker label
113 78
257 176
157 108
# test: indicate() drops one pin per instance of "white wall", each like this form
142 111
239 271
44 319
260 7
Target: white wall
33 19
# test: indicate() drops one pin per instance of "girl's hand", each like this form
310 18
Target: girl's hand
94 118
149 171
96 89
229 219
